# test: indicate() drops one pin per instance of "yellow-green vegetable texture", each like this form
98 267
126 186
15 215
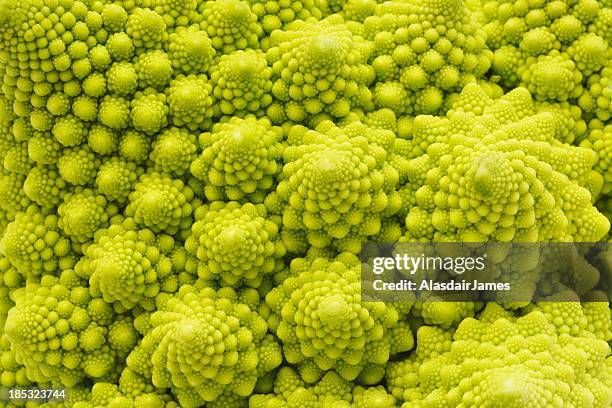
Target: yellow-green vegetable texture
186 187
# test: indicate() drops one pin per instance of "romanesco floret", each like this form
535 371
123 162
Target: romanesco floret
190 101
11 280
231 25
418 63
566 317
241 83
122 79
550 38
127 265
319 68
149 111
114 17
600 141
33 242
508 363
240 159
108 395
146 29
120 47
83 213
190 50
570 125
331 391
100 59
134 146
16 129
590 53
336 187
599 321
70 131
225 336
318 316
11 188
235 244
84 107
372 397
359 10
59 103
161 203
488 174
551 77
402 376
275 14
59 332
114 112
116 177
175 12
36 54
444 314
16 159
78 166
13 374
154 69
173 151
597 97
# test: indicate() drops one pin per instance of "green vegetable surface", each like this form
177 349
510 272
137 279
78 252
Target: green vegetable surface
186 185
